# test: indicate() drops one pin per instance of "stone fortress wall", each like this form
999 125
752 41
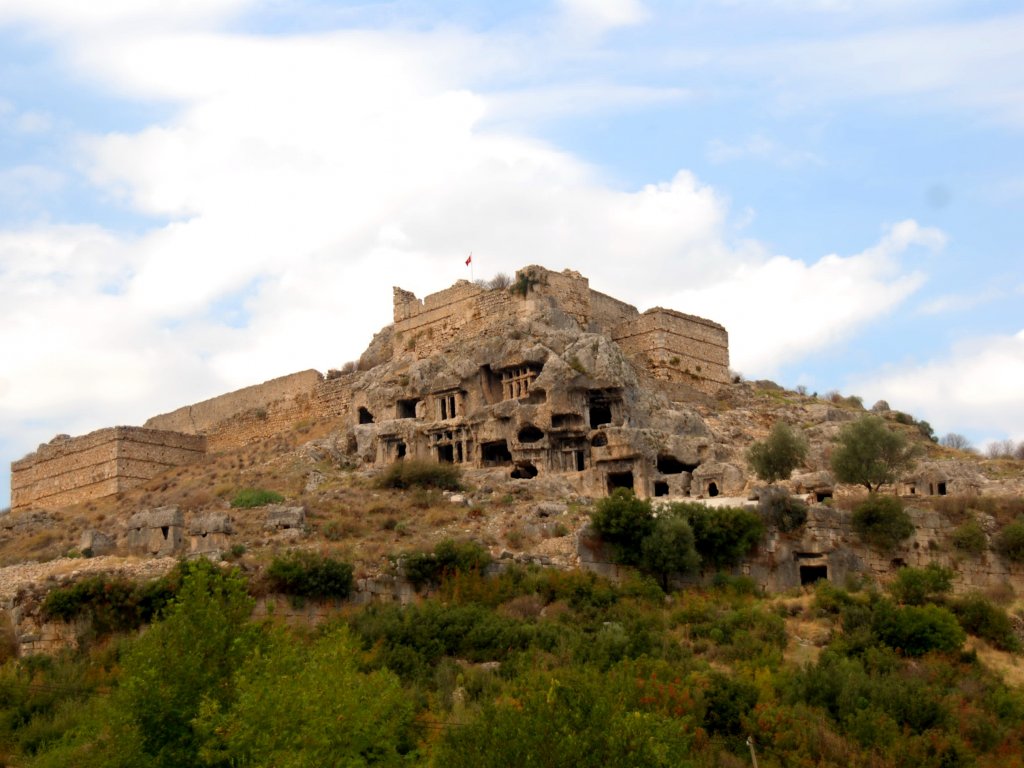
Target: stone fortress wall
72 470
668 345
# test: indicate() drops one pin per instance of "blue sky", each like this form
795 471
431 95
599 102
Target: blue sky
199 196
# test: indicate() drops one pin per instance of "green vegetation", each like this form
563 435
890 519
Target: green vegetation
871 454
1010 541
247 498
682 538
529 667
412 473
783 451
882 522
916 586
309 574
448 559
969 537
785 512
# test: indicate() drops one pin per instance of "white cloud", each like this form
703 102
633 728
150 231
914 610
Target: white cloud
976 386
781 309
762 148
958 302
601 15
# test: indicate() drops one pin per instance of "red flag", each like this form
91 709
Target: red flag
469 260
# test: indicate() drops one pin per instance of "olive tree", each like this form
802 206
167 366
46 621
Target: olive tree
783 451
871 454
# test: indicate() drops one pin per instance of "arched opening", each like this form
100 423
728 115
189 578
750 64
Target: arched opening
365 417
530 434
599 440
524 471
712 489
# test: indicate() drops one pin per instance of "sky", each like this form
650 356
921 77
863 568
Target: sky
199 196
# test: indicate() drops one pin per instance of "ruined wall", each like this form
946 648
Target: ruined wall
677 347
70 470
607 313
202 417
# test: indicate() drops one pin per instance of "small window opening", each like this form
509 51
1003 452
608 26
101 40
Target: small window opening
164 530
458 452
580 461
524 471
599 440
446 404
400 450
530 434
407 408
620 480
821 496
600 414
712 489
365 417
913 490
897 563
809 574
660 488
941 489
446 454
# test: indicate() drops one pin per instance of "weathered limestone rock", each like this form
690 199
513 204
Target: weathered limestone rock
209 533
95 543
280 518
157 531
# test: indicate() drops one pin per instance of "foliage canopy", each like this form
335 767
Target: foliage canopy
869 453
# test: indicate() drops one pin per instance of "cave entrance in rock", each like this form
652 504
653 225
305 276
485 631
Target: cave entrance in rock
809 574
660 488
524 470
365 417
530 434
495 454
670 465
712 489
406 409
620 480
821 496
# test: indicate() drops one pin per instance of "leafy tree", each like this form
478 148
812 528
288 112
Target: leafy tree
916 630
310 574
915 586
722 535
448 558
868 453
298 706
957 441
783 451
970 537
623 521
881 521
779 508
1010 541
669 549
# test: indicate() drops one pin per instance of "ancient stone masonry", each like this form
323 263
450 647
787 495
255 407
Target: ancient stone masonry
546 376
69 470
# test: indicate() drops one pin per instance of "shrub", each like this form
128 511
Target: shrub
309 574
669 549
1010 541
915 586
882 522
981 618
623 521
779 508
111 604
448 558
247 498
722 535
783 451
916 630
412 473
970 538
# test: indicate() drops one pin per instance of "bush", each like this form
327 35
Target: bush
309 574
777 457
623 521
448 558
247 498
882 522
723 536
916 630
868 453
111 604
970 538
412 473
779 508
1010 541
915 586
981 618
669 549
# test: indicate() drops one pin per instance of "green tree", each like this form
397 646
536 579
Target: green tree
723 535
623 521
669 549
297 706
916 586
871 454
881 521
1010 541
783 451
